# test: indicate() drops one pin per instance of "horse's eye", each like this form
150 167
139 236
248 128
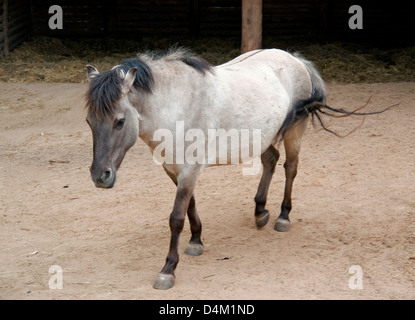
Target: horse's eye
120 124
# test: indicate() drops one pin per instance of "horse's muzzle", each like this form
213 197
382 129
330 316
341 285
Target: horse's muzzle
104 179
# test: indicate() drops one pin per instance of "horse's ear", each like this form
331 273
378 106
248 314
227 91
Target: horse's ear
92 72
129 80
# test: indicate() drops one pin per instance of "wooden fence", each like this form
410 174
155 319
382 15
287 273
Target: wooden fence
15 23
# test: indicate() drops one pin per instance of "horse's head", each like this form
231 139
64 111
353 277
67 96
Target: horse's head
112 119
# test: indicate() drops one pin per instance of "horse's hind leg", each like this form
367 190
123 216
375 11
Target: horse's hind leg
292 144
195 246
269 159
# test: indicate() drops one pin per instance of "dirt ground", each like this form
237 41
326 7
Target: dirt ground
353 204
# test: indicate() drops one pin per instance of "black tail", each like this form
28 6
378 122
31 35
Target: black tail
299 109
316 109
316 105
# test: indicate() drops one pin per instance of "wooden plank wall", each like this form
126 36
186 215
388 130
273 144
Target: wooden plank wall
172 17
285 18
383 21
118 18
16 27
308 19
2 32
152 17
220 18
80 18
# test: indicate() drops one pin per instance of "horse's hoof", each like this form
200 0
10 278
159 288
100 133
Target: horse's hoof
282 225
194 249
164 281
262 219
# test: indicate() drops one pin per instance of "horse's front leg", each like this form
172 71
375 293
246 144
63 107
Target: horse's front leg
185 187
195 246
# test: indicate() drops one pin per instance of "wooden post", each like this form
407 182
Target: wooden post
251 25
6 27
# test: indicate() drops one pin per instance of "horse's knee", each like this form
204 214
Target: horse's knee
176 222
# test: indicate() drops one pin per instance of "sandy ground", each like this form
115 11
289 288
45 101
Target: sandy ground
353 204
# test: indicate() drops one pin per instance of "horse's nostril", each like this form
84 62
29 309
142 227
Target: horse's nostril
106 175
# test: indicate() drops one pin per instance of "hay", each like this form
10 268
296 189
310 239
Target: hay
352 63
44 59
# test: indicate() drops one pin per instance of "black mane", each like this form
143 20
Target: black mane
198 64
143 78
105 88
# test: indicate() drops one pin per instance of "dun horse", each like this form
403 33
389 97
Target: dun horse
268 90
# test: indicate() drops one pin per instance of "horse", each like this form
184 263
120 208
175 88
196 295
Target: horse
268 90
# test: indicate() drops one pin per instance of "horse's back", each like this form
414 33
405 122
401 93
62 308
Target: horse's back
260 64
261 85
276 58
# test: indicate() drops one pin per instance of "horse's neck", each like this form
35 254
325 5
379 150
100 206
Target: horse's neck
174 91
